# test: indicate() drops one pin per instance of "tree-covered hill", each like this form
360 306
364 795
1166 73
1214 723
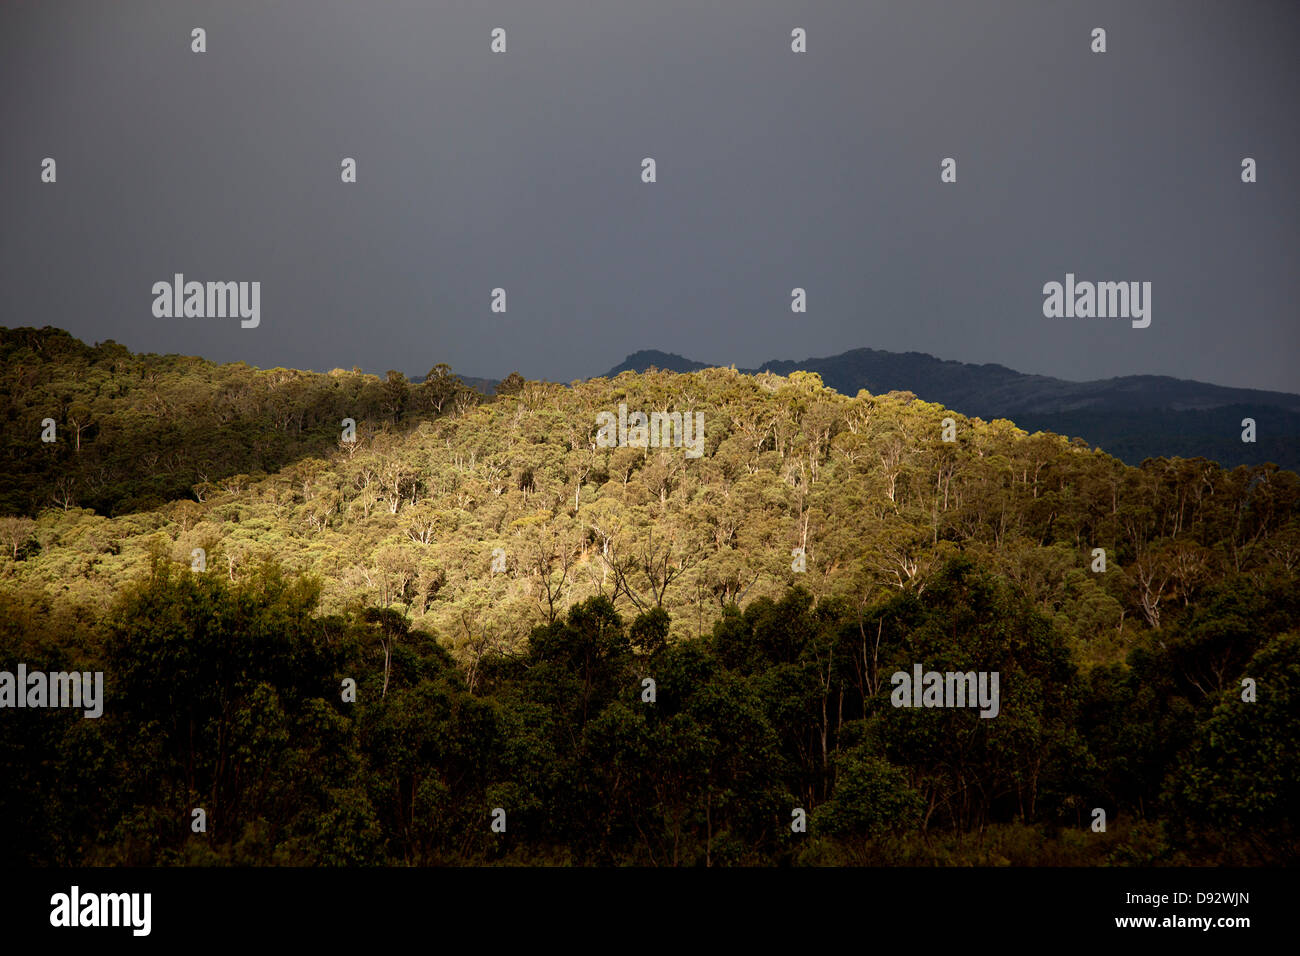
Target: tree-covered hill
441 485
1133 417
499 583
137 431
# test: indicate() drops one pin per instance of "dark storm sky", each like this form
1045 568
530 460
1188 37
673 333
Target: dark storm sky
775 170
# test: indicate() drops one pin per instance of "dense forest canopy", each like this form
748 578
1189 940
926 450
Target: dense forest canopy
500 585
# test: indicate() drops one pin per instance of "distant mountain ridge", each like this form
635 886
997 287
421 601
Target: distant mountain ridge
1131 417
652 358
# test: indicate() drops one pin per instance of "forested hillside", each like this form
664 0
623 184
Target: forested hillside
1133 417
500 585
139 431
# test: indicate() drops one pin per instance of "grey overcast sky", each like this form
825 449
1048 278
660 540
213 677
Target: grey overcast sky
775 170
